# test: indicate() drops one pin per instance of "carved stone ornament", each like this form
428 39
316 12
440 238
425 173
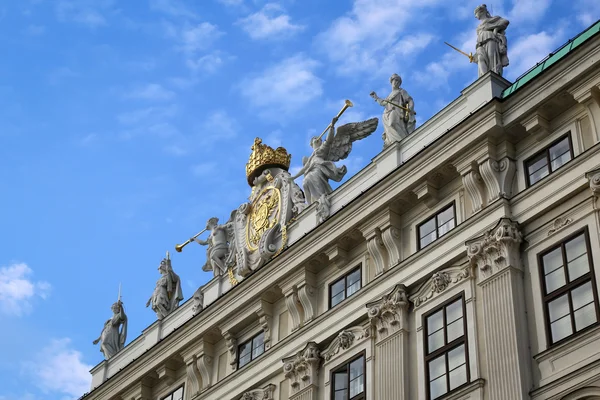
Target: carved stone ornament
387 314
198 300
594 178
303 369
558 224
231 343
265 393
323 208
496 249
439 282
344 341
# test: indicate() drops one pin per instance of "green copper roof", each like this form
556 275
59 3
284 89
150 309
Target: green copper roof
552 59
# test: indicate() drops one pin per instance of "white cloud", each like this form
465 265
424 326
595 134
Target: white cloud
370 39
269 23
219 125
531 49
527 11
587 11
84 12
208 63
198 37
17 289
231 3
174 8
58 369
284 88
150 91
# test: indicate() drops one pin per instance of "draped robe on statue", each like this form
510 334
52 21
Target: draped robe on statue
113 340
491 47
320 171
396 126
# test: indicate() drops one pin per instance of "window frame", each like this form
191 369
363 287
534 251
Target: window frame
345 279
568 287
435 215
546 149
447 347
251 341
182 386
346 365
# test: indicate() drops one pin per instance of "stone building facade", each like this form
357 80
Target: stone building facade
462 263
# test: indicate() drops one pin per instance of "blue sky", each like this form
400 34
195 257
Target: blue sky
125 125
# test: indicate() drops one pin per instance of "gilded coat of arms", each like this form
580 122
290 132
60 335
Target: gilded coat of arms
264 215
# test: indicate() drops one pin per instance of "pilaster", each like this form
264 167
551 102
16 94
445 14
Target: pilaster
388 316
497 259
302 371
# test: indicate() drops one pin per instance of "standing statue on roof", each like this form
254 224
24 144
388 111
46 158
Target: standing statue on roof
220 251
113 336
319 168
491 47
167 293
399 114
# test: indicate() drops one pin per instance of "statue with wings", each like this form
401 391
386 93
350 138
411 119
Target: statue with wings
319 168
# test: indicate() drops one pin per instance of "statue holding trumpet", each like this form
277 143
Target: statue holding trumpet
320 166
399 114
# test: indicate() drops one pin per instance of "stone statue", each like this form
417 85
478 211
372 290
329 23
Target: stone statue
167 293
220 244
398 123
198 301
319 168
113 336
491 48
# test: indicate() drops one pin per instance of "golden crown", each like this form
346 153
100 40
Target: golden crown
264 157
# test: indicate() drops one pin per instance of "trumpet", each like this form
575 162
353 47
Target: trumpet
347 104
179 247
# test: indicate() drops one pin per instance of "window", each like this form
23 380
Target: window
446 361
175 395
570 299
436 226
549 160
348 380
345 287
251 349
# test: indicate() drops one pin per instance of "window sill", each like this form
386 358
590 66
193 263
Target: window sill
463 390
585 336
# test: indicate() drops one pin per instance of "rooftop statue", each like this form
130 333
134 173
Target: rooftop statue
220 242
167 293
491 48
319 167
399 115
113 336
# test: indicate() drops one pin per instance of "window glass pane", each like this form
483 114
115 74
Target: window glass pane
435 322
582 295
353 283
437 367
339 380
427 228
555 280
585 316
458 377
455 330
341 395
560 161
245 349
337 299
456 357
435 340
558 308
537 168
442 230
445 216
578 267
538 175
437 387
244 360
575 247
561 328
454 311
257 351
560 153
552 261
353 289
427 239
357 386
338 287
178 395
258 345
356 368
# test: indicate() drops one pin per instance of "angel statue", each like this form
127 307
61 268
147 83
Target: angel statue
399 114
167 293
220 242
319 168
113 336
491 49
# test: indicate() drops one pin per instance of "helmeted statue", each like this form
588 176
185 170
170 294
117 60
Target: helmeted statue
319 168
491 47
167 293
220 245
113 336
398 123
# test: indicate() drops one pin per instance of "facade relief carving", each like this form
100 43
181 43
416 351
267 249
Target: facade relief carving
388 314
265 393
198 301
323 208
439 282
558 224
302 370
344 340
594 179
231 343
497 248
498 177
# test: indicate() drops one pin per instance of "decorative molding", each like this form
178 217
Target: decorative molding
193 378
167 372
344 340
537 126
266 393
231 343
439 282
198 300
473 182
498 177
323 208
391 240
594 178
377 251
337 255
302 370
387 314
292 301
497 248
426 193
558 224
307 295
264 312
204 363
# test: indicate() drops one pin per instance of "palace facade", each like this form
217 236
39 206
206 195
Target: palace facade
462 263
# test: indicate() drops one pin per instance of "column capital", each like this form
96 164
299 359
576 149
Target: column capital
388 314
594 179
265 393
302 369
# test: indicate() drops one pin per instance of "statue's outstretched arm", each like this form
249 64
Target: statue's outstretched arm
200 241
